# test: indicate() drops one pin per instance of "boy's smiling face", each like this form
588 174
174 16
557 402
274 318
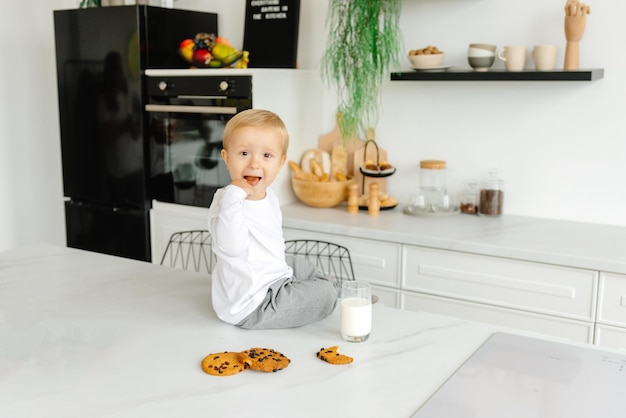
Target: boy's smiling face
255 155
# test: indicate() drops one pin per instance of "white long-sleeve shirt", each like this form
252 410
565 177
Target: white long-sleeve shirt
247 239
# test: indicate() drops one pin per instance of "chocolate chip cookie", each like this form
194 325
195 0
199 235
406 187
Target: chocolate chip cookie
264 359
331 355
223 364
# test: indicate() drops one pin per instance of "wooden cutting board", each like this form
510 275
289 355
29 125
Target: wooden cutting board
327 142
364 153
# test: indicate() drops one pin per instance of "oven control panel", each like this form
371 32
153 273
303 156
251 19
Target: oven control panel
176 86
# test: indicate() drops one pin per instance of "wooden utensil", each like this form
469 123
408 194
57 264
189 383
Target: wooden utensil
329 141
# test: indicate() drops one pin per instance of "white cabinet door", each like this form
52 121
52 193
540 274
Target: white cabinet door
612 300
387 296
165 219
608 336
544 324
376 262
525 286
611 322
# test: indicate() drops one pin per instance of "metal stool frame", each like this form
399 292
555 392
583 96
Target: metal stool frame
332 259
190 249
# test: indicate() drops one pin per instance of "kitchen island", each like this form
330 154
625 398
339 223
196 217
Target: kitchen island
86 334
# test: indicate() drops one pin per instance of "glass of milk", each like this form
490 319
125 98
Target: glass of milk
356 311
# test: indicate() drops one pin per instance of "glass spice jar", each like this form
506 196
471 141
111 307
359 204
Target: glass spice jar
470 198
491 195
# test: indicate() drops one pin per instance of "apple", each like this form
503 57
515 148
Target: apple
202 56
185 43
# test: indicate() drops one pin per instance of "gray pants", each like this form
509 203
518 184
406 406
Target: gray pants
306 297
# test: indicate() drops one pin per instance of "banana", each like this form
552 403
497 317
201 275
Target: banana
243 62
225 62
231 59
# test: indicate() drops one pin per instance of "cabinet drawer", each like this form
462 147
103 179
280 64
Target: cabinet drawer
612 299
544 324
534 287
608 336
387 296
376 262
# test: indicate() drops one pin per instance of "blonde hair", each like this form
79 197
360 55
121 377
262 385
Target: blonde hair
257 118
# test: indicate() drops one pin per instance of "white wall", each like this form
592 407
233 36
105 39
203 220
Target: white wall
31 207
560 145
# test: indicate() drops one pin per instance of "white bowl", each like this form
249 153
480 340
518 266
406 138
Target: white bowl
426 60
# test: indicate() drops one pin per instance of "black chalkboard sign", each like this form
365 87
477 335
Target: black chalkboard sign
271 33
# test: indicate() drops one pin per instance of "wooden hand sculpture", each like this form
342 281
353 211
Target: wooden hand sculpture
575 19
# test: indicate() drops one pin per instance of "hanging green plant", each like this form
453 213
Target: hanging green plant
363 45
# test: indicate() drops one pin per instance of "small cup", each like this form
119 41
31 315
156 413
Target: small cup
514 57
481 56
356 311
544 57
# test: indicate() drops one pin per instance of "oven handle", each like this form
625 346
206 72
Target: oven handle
220 110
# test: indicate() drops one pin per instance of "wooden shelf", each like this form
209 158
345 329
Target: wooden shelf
500 75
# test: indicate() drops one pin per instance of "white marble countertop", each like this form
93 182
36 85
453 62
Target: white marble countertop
89 335
574 244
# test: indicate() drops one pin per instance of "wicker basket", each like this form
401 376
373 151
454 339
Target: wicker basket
321 194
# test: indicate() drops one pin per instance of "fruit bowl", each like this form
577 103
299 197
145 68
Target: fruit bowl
321 194
213 63
210 51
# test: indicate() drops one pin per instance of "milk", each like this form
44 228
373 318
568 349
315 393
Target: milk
356 318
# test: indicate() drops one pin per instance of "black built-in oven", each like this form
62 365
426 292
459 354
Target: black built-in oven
186 120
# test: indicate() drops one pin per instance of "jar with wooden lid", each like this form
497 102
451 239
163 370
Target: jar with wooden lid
432 182
491 195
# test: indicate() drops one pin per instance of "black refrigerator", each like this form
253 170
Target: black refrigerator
101 55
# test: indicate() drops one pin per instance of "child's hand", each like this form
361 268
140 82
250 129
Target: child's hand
243 184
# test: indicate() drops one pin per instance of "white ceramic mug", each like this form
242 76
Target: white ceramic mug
356 311
514 57
544 57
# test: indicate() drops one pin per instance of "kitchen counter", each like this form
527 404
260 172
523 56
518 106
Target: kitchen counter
86 334
565 243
